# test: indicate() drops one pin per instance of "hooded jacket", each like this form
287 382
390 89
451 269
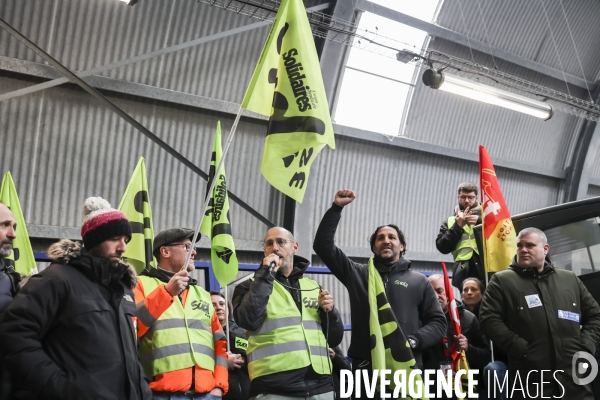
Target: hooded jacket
70 334
536 318
409 294
250 300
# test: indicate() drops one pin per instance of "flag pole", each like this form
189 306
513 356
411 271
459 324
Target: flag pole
485 268
213 181
227 320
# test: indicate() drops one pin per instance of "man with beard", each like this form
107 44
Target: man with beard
70 332
290 320
544 318
409 294
182 345
9 279
456 236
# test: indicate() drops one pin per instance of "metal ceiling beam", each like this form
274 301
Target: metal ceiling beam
587 150
459 38
170 96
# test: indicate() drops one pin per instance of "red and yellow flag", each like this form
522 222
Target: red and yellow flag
499 237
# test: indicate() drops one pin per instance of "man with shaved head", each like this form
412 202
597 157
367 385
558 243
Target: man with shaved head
290 321
544 318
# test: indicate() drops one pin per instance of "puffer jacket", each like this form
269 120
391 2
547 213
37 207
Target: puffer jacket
70 334
536 317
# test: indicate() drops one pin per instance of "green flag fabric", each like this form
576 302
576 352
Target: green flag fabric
135 204
287 86
389 347
216 224
22 256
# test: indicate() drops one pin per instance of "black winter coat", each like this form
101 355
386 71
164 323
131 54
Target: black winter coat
69 333
250 301
409 293
239 381
523 312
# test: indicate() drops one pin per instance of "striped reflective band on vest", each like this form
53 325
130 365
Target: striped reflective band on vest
222 361
144 314
174 350
180 323
219 335
467 244
268 326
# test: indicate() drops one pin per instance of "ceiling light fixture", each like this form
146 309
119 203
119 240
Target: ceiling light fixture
436 79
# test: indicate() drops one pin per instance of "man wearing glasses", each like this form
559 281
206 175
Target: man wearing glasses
182 346
290 322
456 236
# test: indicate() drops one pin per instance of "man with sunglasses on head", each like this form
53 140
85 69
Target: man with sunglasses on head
457 236
182 346
291 323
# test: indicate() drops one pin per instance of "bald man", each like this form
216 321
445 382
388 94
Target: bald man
288 319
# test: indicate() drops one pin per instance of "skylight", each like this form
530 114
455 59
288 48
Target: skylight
376 87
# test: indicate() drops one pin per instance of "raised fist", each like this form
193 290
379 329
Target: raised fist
344 197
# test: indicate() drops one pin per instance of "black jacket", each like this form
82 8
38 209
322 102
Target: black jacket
239 381
250 301
69 333
523 312
9 284
409 293
446 241
478 353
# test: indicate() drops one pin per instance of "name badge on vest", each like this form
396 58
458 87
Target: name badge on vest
533 301
571 316
241 344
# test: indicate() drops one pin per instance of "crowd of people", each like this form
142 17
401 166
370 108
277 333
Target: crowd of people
89 327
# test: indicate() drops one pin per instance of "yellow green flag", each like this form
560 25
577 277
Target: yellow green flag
135 204
22 255
216 224
287 86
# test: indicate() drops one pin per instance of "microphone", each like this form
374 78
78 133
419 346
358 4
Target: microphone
272 266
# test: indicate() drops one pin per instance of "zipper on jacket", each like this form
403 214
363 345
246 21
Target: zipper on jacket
193 387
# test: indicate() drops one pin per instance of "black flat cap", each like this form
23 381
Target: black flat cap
173 235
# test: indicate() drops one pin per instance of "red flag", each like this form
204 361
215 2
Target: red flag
453 313
498 231
459 357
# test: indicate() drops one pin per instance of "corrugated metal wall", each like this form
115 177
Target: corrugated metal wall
593 191
522 28
63 147
595 170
